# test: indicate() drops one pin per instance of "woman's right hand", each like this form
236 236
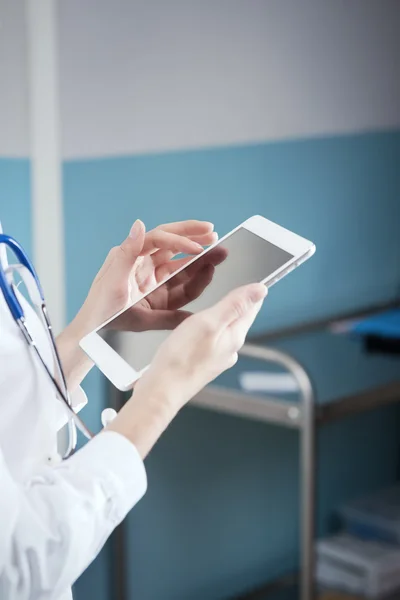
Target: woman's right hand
203 346
200 349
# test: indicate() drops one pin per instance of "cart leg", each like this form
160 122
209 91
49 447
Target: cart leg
119 566
308 493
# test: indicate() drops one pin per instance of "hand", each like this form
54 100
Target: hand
205 345
160 309
200 349
138 265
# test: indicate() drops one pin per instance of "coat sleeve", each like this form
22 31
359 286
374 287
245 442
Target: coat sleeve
55 525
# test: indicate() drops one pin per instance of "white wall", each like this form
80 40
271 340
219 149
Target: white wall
29 124
14 138
150 75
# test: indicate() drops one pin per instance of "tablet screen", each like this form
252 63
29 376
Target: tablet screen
241 258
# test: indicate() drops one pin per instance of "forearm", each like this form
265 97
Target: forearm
144 418
75 362
53 526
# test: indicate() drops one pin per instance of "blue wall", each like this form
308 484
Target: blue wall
341 192
220 513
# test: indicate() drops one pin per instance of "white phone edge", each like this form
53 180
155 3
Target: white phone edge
121 374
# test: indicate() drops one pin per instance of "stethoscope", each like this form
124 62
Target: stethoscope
28 275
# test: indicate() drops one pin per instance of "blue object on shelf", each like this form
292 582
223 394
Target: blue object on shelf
384 325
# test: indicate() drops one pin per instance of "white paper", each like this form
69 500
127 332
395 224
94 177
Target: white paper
268 382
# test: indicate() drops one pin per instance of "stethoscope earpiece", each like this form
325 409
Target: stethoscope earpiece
108 415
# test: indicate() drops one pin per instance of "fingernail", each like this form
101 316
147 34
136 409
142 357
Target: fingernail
258 293
134 232
199 247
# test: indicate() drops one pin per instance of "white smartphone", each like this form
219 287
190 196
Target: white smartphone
258 250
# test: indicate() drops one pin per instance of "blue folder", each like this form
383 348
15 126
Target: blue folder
383 325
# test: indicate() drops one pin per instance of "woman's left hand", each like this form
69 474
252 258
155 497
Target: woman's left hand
138 264
135 266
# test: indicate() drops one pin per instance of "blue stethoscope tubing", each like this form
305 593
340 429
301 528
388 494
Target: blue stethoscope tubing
7 287
31 280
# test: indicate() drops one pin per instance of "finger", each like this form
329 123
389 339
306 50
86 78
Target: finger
214 257
192 289
188 228
174 265
157 239
167 268
205 239
197 284
240 328
131 248
155 320
164 256
237 304
169 319
184 275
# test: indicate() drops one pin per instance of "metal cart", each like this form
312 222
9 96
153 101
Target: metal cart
315 405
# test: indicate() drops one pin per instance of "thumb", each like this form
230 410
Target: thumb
132 246
238 303
158 320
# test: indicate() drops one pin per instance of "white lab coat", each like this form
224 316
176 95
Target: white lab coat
54 519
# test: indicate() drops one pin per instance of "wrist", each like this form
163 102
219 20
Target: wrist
144 418
75 362
159 398
164 387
